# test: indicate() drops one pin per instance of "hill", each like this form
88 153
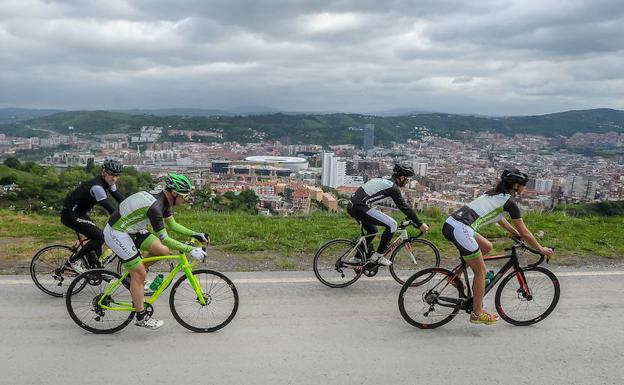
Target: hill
327 128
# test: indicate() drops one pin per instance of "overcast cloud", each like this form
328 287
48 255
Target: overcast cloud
487 57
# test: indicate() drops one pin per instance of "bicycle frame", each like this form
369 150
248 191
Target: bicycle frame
183 265
402 231
513 263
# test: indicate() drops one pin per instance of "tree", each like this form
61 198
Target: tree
8 179
90 165
12 162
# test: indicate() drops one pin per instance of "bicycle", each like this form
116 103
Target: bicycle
48 270
432 297
332 267
99 300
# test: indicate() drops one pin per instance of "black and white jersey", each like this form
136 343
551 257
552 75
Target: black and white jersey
381 188
90 193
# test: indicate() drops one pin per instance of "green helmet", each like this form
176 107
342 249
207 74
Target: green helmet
178 183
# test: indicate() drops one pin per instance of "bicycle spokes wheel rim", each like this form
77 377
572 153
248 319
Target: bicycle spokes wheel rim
47 272
332 264
525 304
84 304
221 301
430 302
411 257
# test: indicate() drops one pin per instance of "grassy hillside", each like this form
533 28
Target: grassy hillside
21 177
252 242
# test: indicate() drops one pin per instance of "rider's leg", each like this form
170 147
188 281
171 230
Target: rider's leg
390 226
484 245
477 265
84 225
137 277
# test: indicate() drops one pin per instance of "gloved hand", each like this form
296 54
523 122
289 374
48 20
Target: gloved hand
202 237
197 253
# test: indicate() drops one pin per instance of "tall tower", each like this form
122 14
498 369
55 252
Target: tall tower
369 137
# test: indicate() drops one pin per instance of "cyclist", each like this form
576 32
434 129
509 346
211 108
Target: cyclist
79 202
375 190
461 229
126 233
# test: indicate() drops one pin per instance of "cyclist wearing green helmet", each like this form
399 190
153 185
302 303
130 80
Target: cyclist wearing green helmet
126 233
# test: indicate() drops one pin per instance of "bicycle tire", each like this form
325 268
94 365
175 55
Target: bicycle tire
538 281
82 304
424 252
218 290
326 261
418 294
44 269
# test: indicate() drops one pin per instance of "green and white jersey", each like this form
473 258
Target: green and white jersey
138 211
487 209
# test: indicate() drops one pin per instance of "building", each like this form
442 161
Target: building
330 202
369 136
333 170
301 200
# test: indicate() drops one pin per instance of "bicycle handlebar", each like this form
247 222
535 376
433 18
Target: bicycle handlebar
522 244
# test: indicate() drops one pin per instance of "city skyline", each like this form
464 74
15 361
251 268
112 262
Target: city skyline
489 57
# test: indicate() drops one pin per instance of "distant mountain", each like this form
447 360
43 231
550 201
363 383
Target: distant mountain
242 110
401 112
324 128
12 115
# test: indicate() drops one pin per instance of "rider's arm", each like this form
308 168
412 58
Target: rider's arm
114 192
100 196
155 216
507 226
400 203
171 224
526 234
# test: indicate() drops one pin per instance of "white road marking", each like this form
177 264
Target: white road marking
28 281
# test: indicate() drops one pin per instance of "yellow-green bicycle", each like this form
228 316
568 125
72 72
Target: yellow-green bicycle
201 300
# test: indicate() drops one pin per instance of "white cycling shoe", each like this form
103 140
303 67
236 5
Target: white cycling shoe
380 259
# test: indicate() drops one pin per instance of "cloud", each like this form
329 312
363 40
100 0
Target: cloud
488 57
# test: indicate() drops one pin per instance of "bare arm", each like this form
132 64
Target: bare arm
529 238
507 226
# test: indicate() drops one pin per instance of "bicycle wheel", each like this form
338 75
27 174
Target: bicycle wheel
522 308
331 265
47 272
432 302
83 306
221 301
411 256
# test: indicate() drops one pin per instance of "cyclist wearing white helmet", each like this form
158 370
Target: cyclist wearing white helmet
126 233
461 229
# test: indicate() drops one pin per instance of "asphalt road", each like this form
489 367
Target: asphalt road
290 329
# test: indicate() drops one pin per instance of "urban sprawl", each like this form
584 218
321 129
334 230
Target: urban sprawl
299 178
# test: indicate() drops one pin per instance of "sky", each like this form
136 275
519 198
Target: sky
491 57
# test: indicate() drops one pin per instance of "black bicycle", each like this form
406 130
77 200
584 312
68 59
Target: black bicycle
527 295
48 270
341 262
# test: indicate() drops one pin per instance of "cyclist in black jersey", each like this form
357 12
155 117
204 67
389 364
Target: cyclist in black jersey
461 229
80 201
375 190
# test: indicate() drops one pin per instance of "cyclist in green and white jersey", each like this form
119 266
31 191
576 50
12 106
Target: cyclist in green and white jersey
462 226
126 233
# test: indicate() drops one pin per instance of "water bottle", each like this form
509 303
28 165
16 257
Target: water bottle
488 277
157 282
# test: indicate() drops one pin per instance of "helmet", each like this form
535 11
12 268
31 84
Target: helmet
514 176
178 183
112 166
401 170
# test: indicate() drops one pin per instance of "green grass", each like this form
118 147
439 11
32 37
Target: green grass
290 242
21 177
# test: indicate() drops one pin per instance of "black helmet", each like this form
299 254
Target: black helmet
401 170
514 176
112 166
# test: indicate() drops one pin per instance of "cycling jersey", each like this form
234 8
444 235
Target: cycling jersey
487 209
380 188
90 193
142 209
